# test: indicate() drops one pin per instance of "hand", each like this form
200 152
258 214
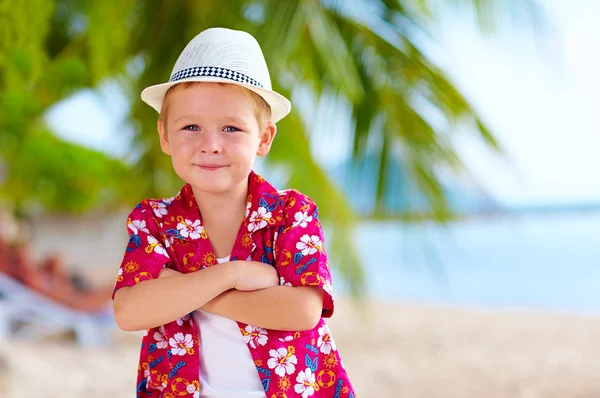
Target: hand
254 275
167 272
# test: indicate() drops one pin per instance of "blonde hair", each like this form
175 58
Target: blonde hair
262 109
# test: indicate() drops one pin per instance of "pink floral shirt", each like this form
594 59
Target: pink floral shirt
281 228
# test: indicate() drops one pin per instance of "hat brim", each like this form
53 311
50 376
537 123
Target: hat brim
280 106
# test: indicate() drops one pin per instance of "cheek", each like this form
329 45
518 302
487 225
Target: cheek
242 145
183 145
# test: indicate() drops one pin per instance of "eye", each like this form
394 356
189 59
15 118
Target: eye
192 127
231 129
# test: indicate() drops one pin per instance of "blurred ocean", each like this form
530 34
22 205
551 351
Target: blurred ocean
548 262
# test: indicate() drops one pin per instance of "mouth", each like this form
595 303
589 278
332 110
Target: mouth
211 167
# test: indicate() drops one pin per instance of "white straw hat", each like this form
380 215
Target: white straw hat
226 56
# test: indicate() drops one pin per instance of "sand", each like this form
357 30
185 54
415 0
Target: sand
390 350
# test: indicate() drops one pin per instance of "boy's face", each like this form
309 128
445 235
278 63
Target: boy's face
213 136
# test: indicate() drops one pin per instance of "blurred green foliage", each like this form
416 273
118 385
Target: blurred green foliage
48 51
364 53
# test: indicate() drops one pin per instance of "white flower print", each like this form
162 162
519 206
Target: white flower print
287 338
191 389
309 244
302 219
248 206
282 282
183 319
306 383
159 208
325 342
156 246
189 229
258 219
168 201
138 225
282 361
253 336
147 376
180 343
159 337
160 340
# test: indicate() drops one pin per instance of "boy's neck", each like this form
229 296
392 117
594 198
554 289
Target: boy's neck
224 207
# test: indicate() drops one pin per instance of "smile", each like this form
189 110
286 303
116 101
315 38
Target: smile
211 167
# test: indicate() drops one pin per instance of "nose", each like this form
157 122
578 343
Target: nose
210 142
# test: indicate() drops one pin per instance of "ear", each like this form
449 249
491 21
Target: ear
266 139
164 137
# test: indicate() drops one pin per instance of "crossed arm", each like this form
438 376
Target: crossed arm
278 307
156 302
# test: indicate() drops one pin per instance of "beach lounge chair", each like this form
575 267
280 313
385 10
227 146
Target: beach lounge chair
25 313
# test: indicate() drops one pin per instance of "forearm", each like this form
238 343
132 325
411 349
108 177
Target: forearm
277 308
158 301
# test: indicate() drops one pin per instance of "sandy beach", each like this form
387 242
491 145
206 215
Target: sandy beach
389 349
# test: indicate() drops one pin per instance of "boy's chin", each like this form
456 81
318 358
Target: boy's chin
214 185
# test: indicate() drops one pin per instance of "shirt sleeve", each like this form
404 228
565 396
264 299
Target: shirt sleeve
300 254
145 254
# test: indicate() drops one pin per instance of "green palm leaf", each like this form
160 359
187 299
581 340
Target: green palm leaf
368 56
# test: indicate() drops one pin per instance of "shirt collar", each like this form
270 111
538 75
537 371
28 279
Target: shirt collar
264 207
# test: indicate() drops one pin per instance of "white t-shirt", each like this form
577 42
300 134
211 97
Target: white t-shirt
226 366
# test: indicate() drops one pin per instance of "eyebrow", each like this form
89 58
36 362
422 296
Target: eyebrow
231 119
179 119
236 120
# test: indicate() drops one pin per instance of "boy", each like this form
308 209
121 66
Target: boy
229 277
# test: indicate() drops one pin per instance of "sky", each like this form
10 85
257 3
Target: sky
538 97
540 100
